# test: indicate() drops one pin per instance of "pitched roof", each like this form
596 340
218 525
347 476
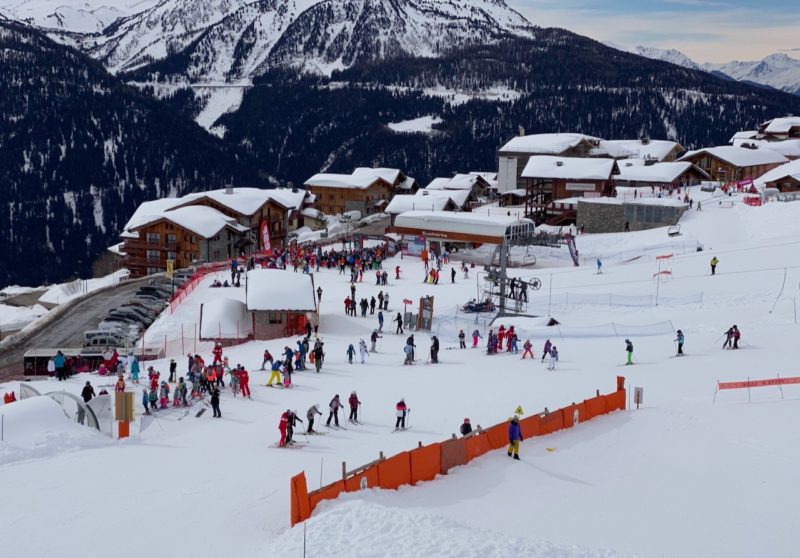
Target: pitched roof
573 168
459 222
199 219
788 170
657 172
403 203
788 148
548 144
739 156
623 149
459 197
781 125
361 178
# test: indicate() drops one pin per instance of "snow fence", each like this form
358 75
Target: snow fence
425 462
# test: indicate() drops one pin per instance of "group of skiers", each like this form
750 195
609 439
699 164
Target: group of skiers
293 360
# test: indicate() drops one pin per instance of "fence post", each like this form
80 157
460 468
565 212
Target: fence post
165 344
183 352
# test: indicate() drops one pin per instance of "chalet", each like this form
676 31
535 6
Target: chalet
422 201
548 179
783 128
730 164
366 190
183 235
643 149
789 148
636 174
785 178
280 302
475 184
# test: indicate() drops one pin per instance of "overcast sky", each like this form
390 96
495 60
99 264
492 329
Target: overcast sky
704 30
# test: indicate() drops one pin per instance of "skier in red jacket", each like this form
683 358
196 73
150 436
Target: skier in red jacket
354 403
282 427
217 352
244 381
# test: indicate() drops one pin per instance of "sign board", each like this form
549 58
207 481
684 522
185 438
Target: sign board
123 406
407 301
425 319
266 246
413 245
638 396
580 187
759 383
170 268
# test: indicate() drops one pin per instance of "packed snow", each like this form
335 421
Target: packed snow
682 476
421 125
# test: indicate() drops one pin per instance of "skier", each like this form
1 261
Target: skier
546 350
153 397
374 339
319 355
679 340
354 405
275 376
410 341
629 351
291 422
475 336
311 414
217 352
244 381
452 275
528 349
145 401
513 339
119 387
461 343
282 427
401 410
215 402
714 260
164 395
514 437
434 349
397 272
135 370
362 350
334 410
319 294
599 266
386 301
372 305
399 320
466 427
409 351
87 392
351 352
173 369
380 321
553 352
736 335
267 358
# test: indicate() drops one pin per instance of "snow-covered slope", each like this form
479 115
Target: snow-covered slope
667 55
76 16
219 39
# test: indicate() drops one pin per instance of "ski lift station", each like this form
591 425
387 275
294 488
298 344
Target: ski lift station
463 228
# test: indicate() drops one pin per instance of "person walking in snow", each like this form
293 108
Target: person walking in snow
466 427
475 336
145 401
362 350
215 402
173 369
714 262
333 407
452 275
87 392
401 410
354 405
386 301
528 349
135 370
679 340
462 344
311 415
399 321
514 437
319 354
546 350
553 352
372 305
434 349
629 352
373 340
319 294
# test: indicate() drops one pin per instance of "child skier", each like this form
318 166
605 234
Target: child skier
311 414
275 375
374 339
234 383
244 381
145 401
514 437
153 397
553 358
461 343
546 350
401 411
354 404
679 340
475 336
215 402
409 351
164 395
629 351
528 349
351 352
282 428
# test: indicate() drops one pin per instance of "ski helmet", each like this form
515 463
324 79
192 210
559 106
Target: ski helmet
466 420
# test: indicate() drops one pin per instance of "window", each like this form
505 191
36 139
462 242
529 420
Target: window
172 256
172 239
152 270
153 256
153 238
275 317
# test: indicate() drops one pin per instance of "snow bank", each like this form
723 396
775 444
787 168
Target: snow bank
226 318
59 294
16 317
39 427
421 125
364 529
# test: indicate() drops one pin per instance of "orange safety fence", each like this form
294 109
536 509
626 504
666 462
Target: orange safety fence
425 462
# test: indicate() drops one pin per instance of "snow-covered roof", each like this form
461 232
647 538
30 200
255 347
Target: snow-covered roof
145 213
739 156
247 201
225 318
744 134
667 201
459 197
657 172
789 148
488 176
403 203
463 223
623 149
360 178
458 182
548 144
277 290
571 168
789 170
407 184
312 213
199 219
781 125
517 192
389 175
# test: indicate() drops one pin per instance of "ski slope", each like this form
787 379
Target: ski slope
679 477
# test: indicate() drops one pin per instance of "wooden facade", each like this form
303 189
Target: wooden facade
333 200
785 184
721 170
278 324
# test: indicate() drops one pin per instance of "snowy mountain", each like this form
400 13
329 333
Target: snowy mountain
776 70
73 16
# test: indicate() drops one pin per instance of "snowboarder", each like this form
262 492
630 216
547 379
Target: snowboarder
311 414
553 352
434 349
475 336
546 350
461 339
215 402
679 340
514 437
351 352
528 349
334 410
374 339
629 351
399 320
714 262
466 427
354 405
362 350
401 410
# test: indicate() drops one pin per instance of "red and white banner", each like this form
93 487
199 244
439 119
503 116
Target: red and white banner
758 383
265 241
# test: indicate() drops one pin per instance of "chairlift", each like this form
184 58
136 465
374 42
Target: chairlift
674 230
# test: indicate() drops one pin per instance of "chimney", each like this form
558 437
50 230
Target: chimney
559 163
229 189
521 131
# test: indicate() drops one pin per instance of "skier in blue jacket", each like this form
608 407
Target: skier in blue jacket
514 437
